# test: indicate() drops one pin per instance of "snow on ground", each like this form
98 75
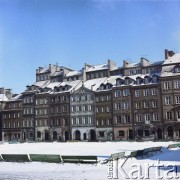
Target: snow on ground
53 171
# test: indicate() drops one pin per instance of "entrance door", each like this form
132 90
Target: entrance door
170 132
84 136
46 136
54 135
24 136
131 134
92 135
66 136
140 132
77 135
159 133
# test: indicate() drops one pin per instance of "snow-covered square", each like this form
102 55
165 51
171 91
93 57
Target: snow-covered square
99 171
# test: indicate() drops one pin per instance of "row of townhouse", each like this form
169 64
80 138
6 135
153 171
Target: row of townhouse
102 102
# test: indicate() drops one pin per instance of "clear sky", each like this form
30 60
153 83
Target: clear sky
37 33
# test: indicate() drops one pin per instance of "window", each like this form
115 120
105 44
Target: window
146 92
90 120
127 81
73 98
155 117
138 105
107 109
146 104
138 118
137 93
138 81
103 122
109 121
169 115
146 80
86 120
154 92
73 108
121 133
117 106
166 85
90 107
177 69
102 98
117 119
53 99
154 104
73 120
177 99
79 109
102 109
97 99
167 100
127 119
108 97
131 72
155 79
176 84
117 93
147 119
126 105
178 115
101 133
126 92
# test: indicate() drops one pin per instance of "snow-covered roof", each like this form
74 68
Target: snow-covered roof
172 60
111 80
157 63
57 73
53 84
169 71
130 65
74 85
73 73
18 96
41 83
97 67
3 97
43 70
94 83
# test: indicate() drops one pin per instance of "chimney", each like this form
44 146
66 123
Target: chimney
168 53
84 74
111 64
9 93
125 63
144 62
2 90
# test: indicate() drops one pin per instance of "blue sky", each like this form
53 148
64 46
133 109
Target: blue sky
37 33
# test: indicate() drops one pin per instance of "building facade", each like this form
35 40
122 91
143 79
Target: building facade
136 101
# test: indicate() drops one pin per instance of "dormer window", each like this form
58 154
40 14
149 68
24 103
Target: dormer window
155 79
138 81
101 87
177 69
119 82
146 80
127 81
